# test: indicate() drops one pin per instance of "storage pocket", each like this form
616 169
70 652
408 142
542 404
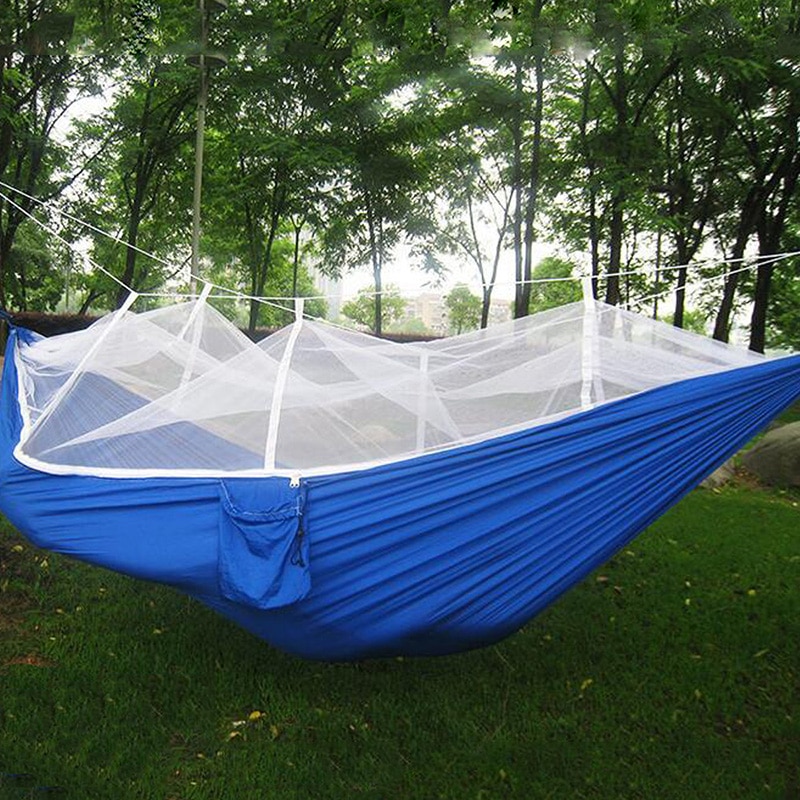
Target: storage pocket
263 551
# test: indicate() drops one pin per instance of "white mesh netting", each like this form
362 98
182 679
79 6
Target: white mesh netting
181 389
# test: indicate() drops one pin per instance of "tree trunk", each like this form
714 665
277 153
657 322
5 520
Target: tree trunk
591 193
615 249
516 180
533 184
770 234
88 300
277 206
758 320
130 254
263 273
374 248
486 304
3 260
752 209
619 195
680 297
722 321
145 164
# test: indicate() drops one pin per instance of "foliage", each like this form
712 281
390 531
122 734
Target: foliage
464 309
36 272
784 316
41 70
361 309
271 151
413 326
694 320
624 132
553 293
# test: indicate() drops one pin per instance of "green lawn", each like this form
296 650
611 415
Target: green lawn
673 672
792 414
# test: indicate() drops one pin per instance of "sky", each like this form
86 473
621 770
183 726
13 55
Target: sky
400 272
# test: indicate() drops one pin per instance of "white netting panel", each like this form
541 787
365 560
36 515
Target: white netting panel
181 388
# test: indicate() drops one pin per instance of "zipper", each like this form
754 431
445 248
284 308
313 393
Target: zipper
297 557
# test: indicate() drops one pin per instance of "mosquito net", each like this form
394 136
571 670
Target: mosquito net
180 390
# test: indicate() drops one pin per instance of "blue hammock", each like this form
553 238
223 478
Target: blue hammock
431 555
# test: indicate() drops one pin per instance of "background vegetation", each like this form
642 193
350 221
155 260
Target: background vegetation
653 133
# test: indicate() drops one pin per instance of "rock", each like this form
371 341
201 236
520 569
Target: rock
721 475
775 459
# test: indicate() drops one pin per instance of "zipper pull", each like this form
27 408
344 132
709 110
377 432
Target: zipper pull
297 557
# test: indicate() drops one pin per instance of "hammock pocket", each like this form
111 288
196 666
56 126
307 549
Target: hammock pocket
263 554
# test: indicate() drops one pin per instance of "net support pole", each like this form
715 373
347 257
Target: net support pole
188 368
207 287
422 400
589 344
280 387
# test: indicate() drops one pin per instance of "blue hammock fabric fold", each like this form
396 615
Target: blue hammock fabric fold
432 555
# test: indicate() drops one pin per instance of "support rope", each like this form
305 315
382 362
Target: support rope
226 293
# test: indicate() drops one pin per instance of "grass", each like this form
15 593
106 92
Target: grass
673 672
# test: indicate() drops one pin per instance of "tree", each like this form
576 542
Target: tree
378 206
557 287
636 53
693 320
383 198
272 154
693 143
40 77
35 277
348 130
759 82
361 310
783 321
135 185
464 309
528 50
473 203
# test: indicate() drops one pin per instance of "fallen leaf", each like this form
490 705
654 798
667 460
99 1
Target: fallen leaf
30 660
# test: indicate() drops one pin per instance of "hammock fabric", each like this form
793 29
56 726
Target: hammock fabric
442 536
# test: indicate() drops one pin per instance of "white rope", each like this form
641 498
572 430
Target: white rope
51 206
703 264
229 294
274 301
765 261
68 244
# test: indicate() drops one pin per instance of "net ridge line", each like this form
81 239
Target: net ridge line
274 301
